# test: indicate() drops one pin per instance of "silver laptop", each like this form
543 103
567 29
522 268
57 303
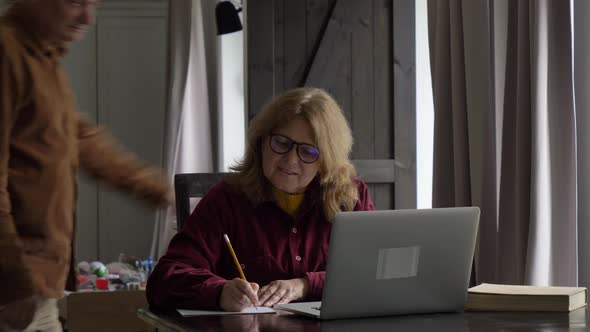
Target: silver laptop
396 262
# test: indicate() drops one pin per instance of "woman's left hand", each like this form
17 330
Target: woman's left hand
282 291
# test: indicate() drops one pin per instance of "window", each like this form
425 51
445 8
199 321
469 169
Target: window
424 110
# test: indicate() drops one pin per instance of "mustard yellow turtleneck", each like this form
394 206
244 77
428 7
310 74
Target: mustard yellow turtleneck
288 202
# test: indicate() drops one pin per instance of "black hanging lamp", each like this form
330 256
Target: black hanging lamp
228 20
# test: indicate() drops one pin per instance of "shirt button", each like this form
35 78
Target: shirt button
298 258
294 230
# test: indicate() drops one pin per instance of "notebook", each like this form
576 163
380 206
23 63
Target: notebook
396 262
247 311
493 297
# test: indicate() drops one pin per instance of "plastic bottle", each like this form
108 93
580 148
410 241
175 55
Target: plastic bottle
150 265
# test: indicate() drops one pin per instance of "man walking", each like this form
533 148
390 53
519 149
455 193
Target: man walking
43 142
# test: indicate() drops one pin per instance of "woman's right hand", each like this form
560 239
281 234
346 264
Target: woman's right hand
238 294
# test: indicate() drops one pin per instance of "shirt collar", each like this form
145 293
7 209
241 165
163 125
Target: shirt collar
31 38
313 195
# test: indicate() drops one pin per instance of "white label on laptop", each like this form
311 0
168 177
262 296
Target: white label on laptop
395 263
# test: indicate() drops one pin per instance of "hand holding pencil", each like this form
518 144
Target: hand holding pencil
238 294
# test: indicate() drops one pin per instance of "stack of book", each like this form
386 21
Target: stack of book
492 297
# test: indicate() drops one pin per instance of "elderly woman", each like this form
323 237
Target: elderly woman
276 208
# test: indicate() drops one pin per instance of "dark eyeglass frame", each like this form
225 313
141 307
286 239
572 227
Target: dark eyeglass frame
293 143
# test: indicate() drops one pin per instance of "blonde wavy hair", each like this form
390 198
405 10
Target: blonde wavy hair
332 136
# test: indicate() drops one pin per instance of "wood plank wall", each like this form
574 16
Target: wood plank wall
362 52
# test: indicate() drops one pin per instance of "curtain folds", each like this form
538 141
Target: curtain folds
190 128
505 135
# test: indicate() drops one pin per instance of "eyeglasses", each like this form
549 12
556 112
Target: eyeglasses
307 153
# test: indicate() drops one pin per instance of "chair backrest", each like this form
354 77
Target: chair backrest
191 185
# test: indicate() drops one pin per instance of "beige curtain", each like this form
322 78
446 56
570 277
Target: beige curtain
582 86
505 136
189 144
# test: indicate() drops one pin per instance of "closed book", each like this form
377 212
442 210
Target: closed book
493 297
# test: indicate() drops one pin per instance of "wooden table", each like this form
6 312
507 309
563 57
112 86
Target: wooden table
469 321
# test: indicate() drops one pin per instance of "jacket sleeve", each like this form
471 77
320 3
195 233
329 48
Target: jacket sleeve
316 279
316 285
185 276
13 272
105 159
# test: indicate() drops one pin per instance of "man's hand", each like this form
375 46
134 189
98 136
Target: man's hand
18 314
238 295
283 291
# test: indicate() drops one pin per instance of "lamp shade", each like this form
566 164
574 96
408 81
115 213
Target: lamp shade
228 20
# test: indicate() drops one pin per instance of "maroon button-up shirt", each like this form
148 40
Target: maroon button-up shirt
269 243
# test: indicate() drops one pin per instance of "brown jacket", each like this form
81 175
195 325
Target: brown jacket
43 142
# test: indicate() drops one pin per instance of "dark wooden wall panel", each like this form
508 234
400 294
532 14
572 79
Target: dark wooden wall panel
318 12
280 39
347 48
260 53
331 68
383 194
362 56
298 31
404 91
362 51
295 43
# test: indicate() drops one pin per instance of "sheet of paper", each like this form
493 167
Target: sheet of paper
247 311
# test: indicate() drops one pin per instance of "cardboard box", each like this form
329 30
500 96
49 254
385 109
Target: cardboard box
103 311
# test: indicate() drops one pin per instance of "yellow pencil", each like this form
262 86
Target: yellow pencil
233 254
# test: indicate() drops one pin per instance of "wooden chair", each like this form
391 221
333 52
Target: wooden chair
190 185
373 172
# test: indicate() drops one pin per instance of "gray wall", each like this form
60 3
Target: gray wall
118 75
